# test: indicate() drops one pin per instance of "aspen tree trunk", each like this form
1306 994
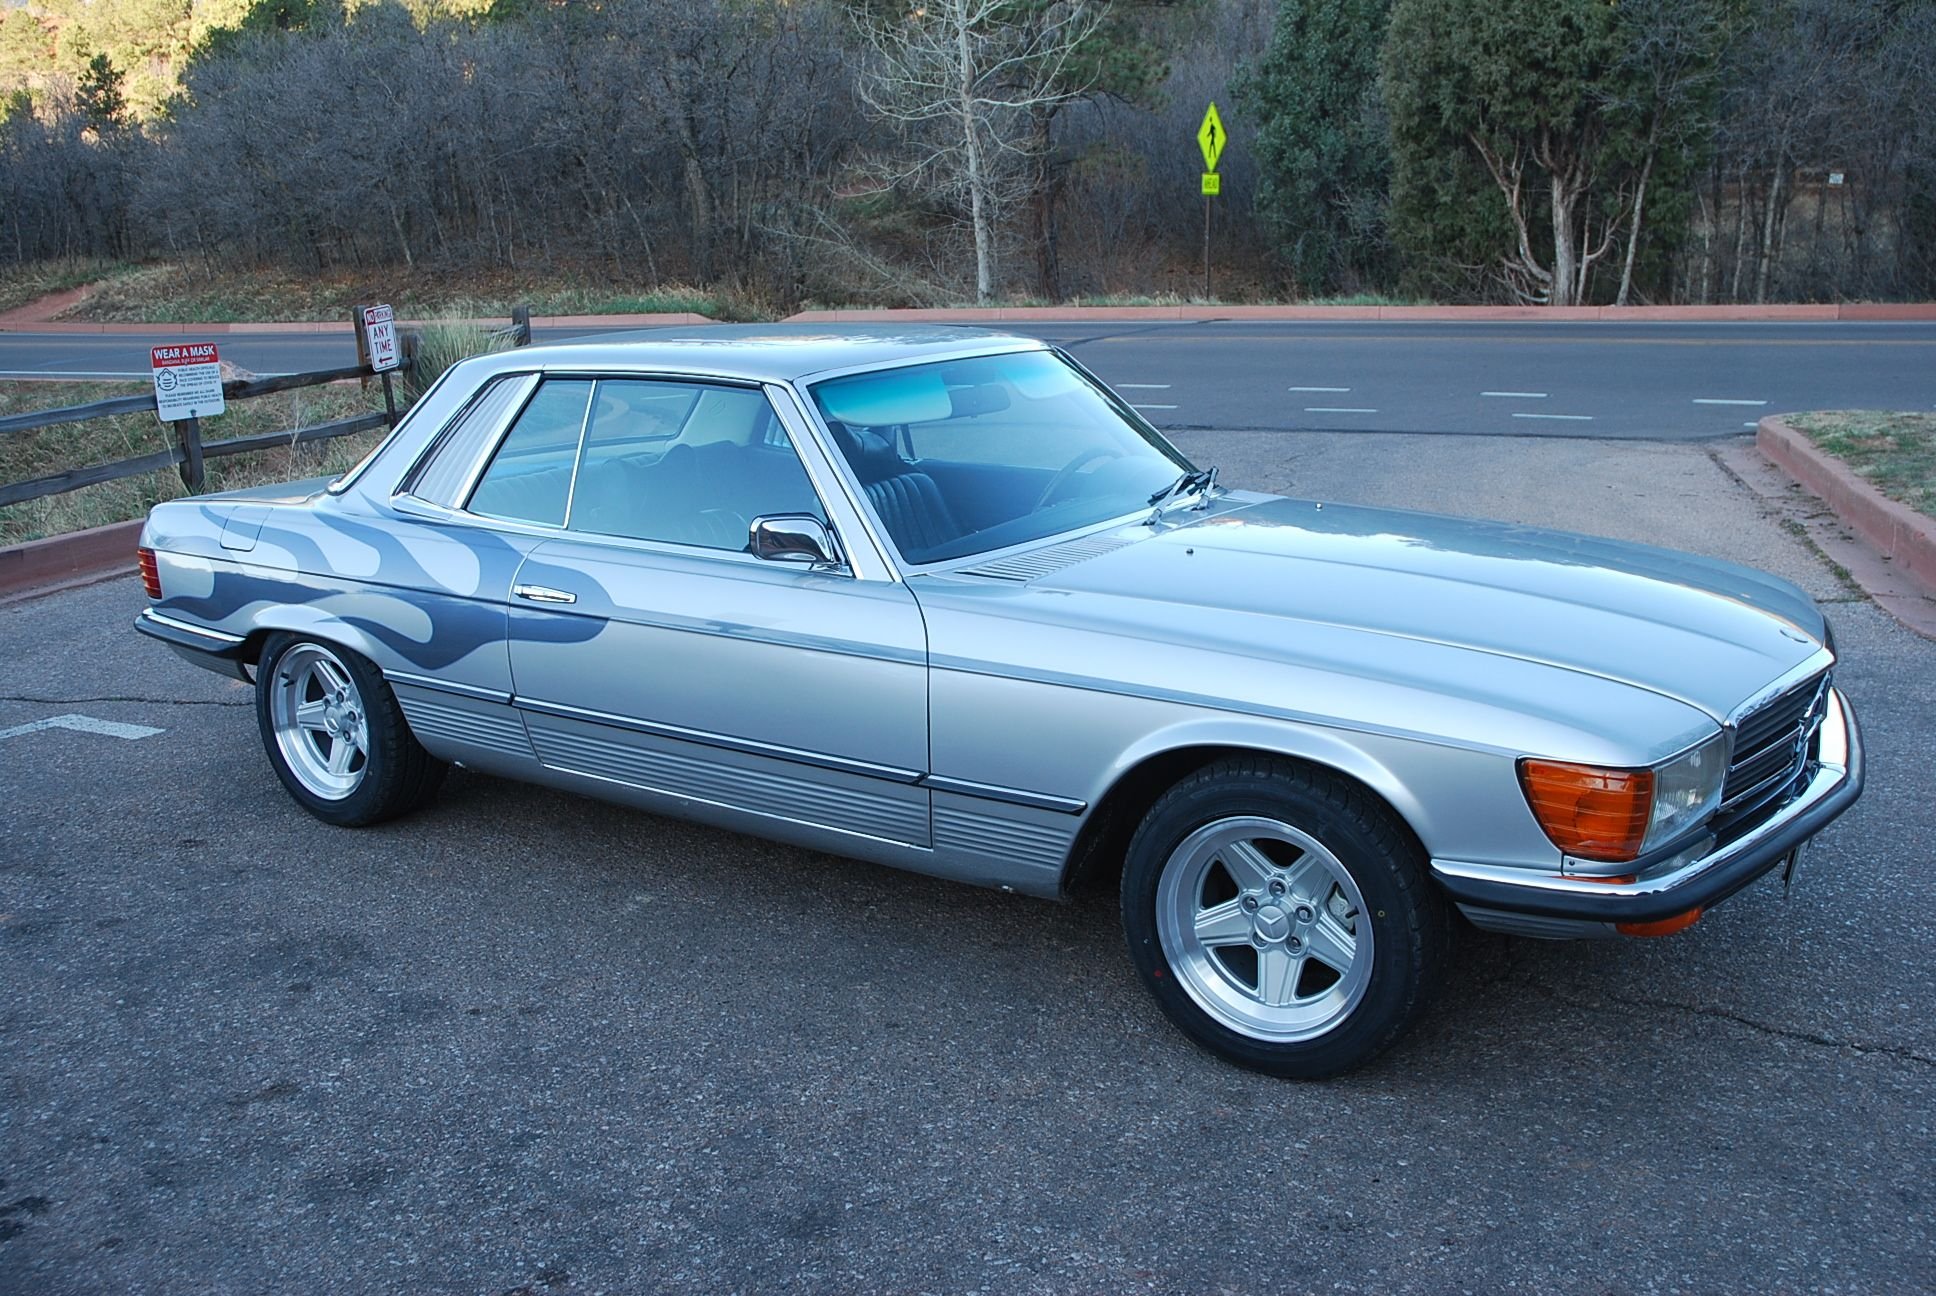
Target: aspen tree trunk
980 214
1565 254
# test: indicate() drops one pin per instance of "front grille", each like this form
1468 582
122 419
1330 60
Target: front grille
1771 747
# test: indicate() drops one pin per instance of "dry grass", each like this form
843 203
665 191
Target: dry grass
21 284
175 293
25 455
1895 453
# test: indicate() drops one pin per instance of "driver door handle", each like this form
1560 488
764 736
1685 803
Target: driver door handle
543 594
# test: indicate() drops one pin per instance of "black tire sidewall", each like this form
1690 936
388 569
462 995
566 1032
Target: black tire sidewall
1381 859
376 796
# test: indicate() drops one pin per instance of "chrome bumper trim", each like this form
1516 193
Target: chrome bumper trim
1833 787
154 623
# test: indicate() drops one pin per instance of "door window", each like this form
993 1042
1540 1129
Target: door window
685 463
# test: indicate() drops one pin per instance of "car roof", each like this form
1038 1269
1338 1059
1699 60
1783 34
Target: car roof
765 352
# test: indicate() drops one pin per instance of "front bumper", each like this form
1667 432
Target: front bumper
1834 783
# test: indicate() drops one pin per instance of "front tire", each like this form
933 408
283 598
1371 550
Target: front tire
1282 917
336 735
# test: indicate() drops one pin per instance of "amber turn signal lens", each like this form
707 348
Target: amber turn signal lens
1590 811
1664 927
150 572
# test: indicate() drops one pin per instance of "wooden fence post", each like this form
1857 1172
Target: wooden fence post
521 326
189 432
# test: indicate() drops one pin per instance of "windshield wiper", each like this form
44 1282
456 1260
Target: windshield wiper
1202 482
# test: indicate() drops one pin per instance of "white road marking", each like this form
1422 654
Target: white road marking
1336 409
1752 425
1708 400
1322 389
1152 407
83 724
1571 418
1518 395
1144 386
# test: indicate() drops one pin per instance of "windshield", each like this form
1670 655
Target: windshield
965 456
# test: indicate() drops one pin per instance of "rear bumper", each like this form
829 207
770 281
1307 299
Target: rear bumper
225 654
1834 783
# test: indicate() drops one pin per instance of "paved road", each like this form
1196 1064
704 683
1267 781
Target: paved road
1525 379
525 1042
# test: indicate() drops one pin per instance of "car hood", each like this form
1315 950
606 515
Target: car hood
1356 590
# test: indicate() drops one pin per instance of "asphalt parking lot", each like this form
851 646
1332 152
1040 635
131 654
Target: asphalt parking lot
525 1042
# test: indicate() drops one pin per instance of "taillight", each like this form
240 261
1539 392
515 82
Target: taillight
1590 811
150 572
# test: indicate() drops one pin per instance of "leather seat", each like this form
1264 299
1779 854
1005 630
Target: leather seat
907 501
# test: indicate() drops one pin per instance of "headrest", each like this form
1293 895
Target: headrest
868 453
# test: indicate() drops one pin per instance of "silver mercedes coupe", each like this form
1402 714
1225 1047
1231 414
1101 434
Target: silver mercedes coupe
937 598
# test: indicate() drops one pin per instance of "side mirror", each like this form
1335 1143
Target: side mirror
794 538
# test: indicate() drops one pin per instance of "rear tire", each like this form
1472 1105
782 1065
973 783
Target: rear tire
336 735
1282 917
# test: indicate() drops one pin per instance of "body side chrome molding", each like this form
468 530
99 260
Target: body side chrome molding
448 686
1012 796
820 760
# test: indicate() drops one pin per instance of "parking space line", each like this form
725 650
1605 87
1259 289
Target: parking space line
1336 409
1142 386
1152 407
83 724
1318 389
1570 418
1518 395
1709 400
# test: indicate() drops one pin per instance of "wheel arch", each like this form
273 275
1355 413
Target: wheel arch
309 623
1152 767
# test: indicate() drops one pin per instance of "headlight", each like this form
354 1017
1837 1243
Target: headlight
1599 813
1687 790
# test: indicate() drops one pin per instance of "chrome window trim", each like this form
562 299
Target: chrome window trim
467 482
825 467
564 530
578 453
483 466
346 480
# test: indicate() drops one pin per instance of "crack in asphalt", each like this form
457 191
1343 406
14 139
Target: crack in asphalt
149 701
1800 1036
1897 1051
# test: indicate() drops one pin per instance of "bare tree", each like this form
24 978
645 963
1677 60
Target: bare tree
961 80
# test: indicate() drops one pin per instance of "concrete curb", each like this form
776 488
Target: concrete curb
1900 533
314 326
58 562
1020 314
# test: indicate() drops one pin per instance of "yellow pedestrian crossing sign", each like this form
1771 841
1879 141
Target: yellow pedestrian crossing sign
1211 137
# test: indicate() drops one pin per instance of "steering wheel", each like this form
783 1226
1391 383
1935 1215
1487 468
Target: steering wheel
1070 469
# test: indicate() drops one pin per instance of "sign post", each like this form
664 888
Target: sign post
376 346
188 389
1211 138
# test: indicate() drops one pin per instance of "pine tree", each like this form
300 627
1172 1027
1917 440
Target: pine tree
1322 147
